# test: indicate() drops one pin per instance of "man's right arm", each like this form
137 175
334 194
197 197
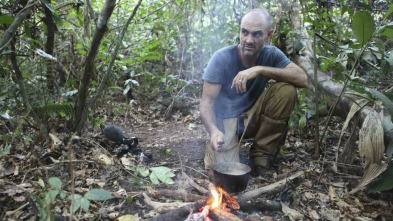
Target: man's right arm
209 96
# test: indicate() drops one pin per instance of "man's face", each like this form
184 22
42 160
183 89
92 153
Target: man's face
253 35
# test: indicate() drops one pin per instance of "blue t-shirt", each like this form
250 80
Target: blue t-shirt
225 65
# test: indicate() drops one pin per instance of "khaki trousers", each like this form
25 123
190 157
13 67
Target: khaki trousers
265 122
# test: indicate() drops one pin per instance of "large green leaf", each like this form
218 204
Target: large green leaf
385 182
164 174
363 26
98 194
5 19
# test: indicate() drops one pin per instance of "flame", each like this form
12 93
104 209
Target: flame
217 197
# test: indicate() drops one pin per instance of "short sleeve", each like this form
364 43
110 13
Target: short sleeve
280 60
214 72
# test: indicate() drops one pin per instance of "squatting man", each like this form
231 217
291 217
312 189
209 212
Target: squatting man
237 100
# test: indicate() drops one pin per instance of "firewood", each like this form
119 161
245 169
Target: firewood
180 213
222 215
162 207
269 188
193 184
175 194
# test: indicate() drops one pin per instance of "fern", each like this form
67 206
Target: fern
385 101
63 109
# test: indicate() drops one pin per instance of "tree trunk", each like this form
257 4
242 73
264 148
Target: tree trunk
9 33
329 88
50 39
18 78
81 104
80 121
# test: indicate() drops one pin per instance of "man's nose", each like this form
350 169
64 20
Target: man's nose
249 39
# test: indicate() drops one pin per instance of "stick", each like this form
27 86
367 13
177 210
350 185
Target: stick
269 188
175 194
193 184
180 213
162 207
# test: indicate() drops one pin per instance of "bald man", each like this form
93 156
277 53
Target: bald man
236 100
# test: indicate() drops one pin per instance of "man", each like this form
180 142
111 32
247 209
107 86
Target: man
234 100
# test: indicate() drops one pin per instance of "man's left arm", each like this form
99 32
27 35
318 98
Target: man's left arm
292 74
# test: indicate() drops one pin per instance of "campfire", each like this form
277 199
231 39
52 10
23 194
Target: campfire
218 204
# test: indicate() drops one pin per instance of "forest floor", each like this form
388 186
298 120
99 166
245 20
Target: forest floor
177 144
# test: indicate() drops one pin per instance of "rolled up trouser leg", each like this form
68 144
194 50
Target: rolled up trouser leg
231 149
270 124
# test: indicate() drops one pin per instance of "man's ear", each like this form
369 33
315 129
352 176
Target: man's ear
270 34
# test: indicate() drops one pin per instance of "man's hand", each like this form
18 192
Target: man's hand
217 141
240 81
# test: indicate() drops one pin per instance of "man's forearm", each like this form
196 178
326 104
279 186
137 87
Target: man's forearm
293 75
208 117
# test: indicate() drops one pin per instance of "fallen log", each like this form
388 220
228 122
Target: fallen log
328 88
180 213
162 207
277 186
175 194
260 205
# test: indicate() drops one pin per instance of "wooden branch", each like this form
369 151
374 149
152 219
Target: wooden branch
9 33
193 184
269 188
25 98
162 207
175 194
260 205
180 213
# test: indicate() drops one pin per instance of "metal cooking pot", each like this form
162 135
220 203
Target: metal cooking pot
231 176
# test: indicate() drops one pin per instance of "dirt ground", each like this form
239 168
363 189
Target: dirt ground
177 144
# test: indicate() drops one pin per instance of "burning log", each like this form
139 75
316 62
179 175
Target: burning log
218 214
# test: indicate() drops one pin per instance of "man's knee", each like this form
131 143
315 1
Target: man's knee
282 101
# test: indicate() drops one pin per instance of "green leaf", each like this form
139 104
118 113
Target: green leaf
302 121
385 69
77 201
85 203
129 200
164 174
389 11
63 195
142 171
363 26
98 194
55 182
385 101
138 181
384 182
47 3
5 19
388 32
154 178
